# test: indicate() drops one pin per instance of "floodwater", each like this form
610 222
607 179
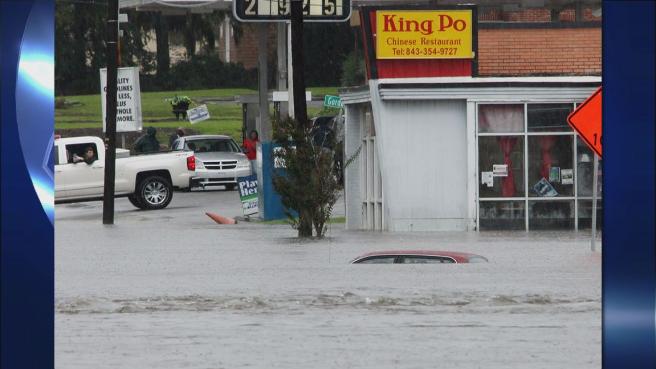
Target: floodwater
171 289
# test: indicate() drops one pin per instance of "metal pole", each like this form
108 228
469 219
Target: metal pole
110 123
290 73
282 63
594 201
300 106
263 75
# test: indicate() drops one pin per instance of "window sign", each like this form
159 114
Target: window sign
554 174
544 189
487 179
567 176
500 170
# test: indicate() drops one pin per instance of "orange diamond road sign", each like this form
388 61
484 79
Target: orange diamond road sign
586 121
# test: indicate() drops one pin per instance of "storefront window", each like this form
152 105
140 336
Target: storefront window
550 166
585 169
548 117
501 118
533 169
544 215
505 215
585 214
501 166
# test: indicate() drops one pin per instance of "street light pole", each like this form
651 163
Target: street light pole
298 78
110 123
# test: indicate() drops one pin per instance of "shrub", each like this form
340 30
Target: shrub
307 184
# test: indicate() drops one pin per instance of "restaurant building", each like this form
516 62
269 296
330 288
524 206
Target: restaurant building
462 123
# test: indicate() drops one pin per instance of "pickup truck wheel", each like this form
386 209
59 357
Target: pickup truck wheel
154 192
134 200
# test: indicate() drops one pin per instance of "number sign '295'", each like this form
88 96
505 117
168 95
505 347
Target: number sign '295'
279 10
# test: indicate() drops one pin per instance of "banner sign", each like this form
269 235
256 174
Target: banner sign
198 114
248 194
424 34
128 99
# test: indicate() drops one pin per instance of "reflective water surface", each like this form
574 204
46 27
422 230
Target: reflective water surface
171 289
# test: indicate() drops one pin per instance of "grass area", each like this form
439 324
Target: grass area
335 220
84 111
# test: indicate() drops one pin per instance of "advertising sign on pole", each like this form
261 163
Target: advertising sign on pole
424 34
248 194
128 99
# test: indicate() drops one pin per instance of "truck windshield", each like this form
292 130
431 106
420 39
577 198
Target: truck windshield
212 145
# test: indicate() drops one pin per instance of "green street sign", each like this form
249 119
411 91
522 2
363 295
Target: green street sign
331 101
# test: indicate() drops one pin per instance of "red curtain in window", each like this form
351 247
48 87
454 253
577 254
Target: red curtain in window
546 144
507 183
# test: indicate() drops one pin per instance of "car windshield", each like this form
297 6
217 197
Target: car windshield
212 145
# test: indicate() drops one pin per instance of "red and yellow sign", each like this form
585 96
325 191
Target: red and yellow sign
424 34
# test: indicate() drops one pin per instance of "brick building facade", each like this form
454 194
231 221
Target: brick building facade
539 51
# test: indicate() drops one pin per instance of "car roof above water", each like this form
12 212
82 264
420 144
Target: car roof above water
458 256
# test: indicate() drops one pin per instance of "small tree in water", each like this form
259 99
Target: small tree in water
307 184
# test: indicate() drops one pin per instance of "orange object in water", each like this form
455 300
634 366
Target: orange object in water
221 219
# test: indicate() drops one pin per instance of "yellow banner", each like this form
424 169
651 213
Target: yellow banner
424 34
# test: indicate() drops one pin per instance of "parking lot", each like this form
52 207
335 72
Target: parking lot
173 289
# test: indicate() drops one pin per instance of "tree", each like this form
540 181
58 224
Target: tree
162 39
307 185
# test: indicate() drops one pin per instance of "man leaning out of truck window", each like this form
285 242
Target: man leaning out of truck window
88 157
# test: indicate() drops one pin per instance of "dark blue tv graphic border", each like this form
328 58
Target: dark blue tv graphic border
26 140
629 258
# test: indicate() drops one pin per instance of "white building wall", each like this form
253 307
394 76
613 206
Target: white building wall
434 186
352 192
423 154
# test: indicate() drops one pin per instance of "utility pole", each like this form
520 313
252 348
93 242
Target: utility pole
298 78
110 124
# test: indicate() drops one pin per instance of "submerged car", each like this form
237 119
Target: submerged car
418 257
219 160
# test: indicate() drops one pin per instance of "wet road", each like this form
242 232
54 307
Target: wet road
172 289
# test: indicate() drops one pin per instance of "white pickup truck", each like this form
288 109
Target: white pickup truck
147 180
